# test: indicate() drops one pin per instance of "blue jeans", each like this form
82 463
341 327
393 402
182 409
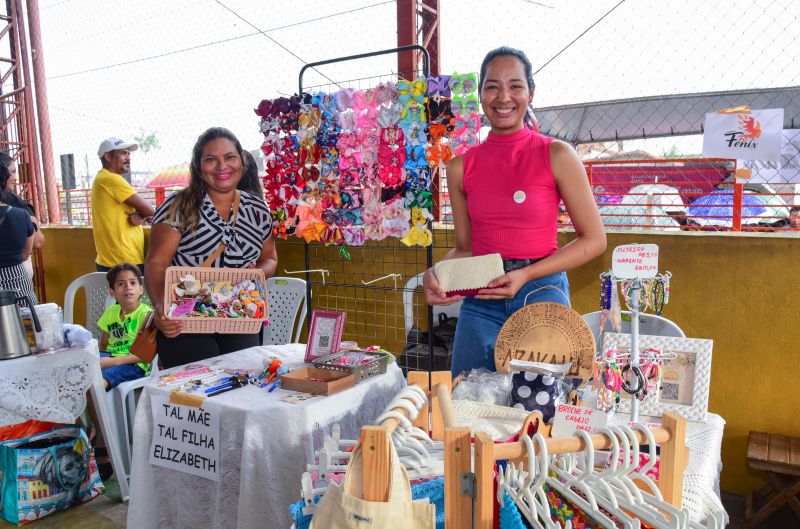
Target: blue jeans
116 375
481 319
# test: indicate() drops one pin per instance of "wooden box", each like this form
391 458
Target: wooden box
325 382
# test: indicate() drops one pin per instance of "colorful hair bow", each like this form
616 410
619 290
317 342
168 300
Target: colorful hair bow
368 119
415 134
393 136
437 130
386 93
347 119
418 178
464 105
438 86
463 84
364 98
344 99
418 234
325 102
438 155
395 219
351 198
353 235
411 91
415 112
462 124
389 116
439 110
419 198
415 158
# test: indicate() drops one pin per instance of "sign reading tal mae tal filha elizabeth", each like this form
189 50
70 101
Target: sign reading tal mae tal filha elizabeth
185 438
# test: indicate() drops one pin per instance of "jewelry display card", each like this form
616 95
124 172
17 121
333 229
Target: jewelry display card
685 379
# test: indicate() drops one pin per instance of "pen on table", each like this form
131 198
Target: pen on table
275 385
225 385
223 390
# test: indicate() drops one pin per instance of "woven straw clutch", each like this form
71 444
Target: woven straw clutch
467 275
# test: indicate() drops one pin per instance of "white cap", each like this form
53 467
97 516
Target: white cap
115 144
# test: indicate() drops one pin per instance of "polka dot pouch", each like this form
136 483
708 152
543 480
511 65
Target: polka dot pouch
539 387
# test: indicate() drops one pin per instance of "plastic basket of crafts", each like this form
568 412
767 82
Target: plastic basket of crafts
362 364
220 323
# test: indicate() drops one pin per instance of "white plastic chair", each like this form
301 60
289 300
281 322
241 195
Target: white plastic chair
95 288
649 324
286 297
415 282
122 399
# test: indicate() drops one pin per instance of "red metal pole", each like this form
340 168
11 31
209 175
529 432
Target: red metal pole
406 35
37 52
738 193
30 115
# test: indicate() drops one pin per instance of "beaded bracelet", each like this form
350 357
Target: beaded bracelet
637 372
605 291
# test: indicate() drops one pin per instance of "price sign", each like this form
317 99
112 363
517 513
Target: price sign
631 261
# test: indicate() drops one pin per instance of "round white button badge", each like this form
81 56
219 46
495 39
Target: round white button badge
519 196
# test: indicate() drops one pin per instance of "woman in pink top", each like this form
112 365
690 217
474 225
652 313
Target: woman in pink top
505 195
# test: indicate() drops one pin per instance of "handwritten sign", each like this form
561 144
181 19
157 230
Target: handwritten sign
185 438
630 261
570 418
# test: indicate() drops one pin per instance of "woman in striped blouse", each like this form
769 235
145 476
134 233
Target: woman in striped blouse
190 227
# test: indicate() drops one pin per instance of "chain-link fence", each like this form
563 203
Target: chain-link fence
162 73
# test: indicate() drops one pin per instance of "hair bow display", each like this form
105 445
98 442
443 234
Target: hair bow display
438 86
365 98
411 91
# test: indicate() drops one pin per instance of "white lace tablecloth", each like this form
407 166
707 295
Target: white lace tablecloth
49 387
266 444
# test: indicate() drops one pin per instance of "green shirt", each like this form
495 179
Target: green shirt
122 333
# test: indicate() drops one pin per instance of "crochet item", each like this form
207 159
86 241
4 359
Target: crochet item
467 275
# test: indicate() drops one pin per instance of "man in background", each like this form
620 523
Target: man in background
117 210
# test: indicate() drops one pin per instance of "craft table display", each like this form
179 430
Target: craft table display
52 387
265 445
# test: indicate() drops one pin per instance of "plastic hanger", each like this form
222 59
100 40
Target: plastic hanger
588 505
603 492
656 499
634 503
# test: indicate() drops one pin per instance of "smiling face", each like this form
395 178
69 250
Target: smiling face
221 165
505 94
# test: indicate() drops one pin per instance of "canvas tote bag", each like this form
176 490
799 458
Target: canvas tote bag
343 508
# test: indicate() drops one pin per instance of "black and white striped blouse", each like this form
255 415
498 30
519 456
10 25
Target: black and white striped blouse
243 242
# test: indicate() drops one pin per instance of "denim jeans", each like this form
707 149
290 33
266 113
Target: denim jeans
480 320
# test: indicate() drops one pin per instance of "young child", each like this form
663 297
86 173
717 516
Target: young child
119 324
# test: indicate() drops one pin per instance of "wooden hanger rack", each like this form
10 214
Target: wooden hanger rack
469 463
